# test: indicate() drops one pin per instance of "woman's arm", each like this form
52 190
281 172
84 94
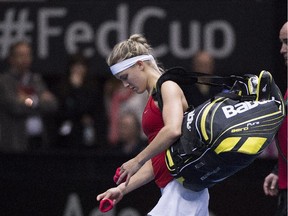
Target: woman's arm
174 105
142 177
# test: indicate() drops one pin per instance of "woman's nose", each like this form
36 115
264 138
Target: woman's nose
125 84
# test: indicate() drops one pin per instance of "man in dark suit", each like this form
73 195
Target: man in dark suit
24 100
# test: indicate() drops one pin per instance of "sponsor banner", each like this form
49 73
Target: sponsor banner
239 34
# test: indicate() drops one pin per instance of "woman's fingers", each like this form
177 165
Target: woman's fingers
122 177
100 196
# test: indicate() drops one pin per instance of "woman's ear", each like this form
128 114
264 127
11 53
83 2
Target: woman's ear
140 64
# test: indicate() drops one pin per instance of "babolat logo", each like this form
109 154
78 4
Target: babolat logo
190 117
230 111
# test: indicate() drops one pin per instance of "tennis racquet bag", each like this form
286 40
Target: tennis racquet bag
226 133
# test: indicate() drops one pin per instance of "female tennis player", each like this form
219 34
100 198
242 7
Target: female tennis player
132 62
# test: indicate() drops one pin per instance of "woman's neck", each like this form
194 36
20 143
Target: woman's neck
152 80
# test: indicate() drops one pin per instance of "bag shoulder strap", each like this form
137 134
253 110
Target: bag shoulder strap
184 78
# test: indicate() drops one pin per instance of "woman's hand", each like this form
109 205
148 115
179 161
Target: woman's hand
114 194
127 170
270 185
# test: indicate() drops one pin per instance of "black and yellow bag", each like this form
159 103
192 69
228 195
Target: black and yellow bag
226 133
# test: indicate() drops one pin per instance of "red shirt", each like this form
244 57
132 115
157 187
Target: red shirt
282 164
152 122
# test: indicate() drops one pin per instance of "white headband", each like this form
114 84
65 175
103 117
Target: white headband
120 66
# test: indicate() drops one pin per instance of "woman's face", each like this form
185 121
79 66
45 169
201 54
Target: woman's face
134 78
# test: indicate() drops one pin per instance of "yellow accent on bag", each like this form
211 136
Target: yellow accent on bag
227 144
252 145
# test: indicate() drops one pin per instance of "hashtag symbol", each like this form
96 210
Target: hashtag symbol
13 29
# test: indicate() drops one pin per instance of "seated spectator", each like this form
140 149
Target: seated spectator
25 101
130 140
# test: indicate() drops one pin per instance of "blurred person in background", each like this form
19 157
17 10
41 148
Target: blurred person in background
202 62
25 103
276 182
120 100
81 119
130 140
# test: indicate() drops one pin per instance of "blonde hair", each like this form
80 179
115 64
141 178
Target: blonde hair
134 46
